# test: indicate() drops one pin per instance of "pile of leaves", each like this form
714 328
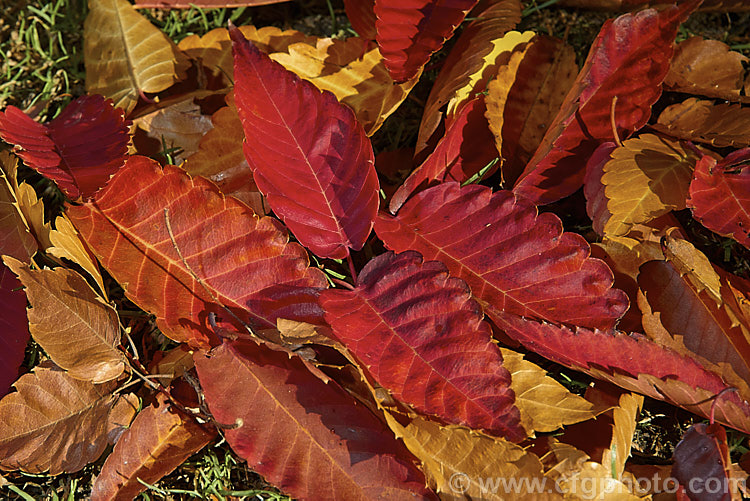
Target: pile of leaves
232 257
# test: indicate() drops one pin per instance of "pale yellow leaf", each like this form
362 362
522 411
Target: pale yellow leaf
625 415
544 403
647 177
126 55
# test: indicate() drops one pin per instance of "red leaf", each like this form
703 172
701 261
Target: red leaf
634 363
247 262
701 460
14 328
467 147
80 149
159 440
628 60
720 196
593 188
309 438
513 258
361 14
408 33
421 336
309 155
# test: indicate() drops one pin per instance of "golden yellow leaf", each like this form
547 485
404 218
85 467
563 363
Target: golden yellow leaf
15 238
524 98
499 55
65 242
647 177
545 404
353 70
463 464
214 49
692 263
625 415
126 55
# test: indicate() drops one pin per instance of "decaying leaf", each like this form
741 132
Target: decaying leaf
56 423
307 437
78 330
157 442
701 463
246 262
309 155
126 56
421 336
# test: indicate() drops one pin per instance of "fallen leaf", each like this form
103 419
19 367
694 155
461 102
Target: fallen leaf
54 423
628 61
15 238
408 34
309 155
720 125
319 443
513 258
78 330
421 336
125 55
205 4
246 262
361 15
701 463
545 404
14 329
158 441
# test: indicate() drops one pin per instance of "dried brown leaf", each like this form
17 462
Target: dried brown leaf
720 125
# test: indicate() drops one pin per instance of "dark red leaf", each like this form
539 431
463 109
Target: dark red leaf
80 149
593 188
701 460
467 147
309 438
513 258
14 328
628 61
309 155
720 195
634 363
408 33
361 14
246 262
421 336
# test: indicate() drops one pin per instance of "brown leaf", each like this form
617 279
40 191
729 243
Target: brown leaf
524 98
544 403
220 159
78 330
55 423
126 55
180 125
707 68
16 240
159 440
720 125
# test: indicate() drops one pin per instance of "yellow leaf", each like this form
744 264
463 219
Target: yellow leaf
15 238
647 177
353 70
462 464
500 54
625 415
691 262
524 98
126 55
66 243
544 403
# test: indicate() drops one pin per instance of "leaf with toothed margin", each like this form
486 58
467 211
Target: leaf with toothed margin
422 337
513 258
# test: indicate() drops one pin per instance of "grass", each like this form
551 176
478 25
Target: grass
41 46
